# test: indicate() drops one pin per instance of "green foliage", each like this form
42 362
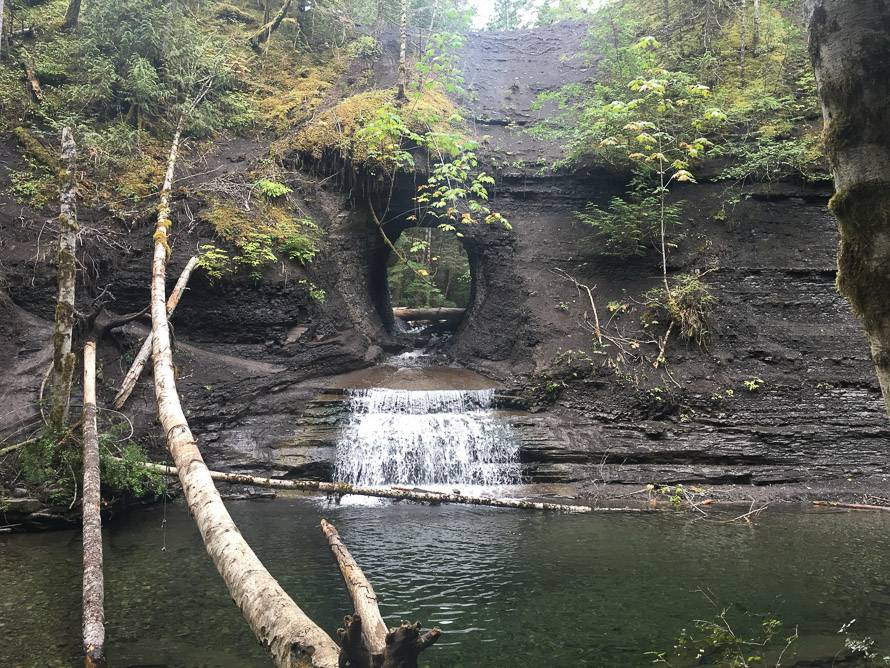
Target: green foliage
439 65
632 226
753 384
719 642
257 234
272 189
53 465
687 304
314 291
432 270
770 159
35 186
214 261
508 14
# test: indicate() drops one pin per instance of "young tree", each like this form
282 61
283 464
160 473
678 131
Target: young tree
507 14
850 51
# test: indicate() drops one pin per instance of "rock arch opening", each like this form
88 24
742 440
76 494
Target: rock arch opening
425 278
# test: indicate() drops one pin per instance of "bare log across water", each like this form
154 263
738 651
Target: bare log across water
429 314
396 493
93 628
291 637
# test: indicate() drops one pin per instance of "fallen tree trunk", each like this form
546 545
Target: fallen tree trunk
291 637
851 506
264 33
132 377
415 314
66 270
93 628
364 600
365 641
396 493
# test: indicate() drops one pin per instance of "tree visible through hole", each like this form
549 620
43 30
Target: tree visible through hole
433 270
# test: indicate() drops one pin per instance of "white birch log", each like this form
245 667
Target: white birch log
395 493
278 623
93 626
129 382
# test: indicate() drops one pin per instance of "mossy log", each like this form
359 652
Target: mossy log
66 271
263 34
850 51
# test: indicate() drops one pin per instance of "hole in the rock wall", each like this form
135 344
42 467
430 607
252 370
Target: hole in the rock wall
428 282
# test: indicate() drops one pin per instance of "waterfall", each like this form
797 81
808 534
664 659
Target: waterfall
426 437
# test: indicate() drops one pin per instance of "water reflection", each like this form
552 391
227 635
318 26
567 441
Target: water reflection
506 587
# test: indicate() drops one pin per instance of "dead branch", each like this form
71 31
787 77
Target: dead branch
579 286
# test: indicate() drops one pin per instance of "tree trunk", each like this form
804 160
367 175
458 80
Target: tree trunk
63 358
364 600
1 27
263 34
278 623
72 15
743 39
267 11
132 377
380 17
396 493
403 51
93 582
850 51
755 39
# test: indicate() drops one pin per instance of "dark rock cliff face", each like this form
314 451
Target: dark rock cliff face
253 356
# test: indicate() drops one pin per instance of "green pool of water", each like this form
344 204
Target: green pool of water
507 588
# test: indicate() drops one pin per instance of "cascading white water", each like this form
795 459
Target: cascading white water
426 437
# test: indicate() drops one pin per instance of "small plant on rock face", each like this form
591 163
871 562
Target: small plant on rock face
686 304
272 189
753 384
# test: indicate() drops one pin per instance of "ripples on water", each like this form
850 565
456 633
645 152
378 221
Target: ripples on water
508 588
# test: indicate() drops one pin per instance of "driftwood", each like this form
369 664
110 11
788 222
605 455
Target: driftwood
291 637
93 582
365 641
396 493
264 33
370 650
851 506
63 358
142 357
429 314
